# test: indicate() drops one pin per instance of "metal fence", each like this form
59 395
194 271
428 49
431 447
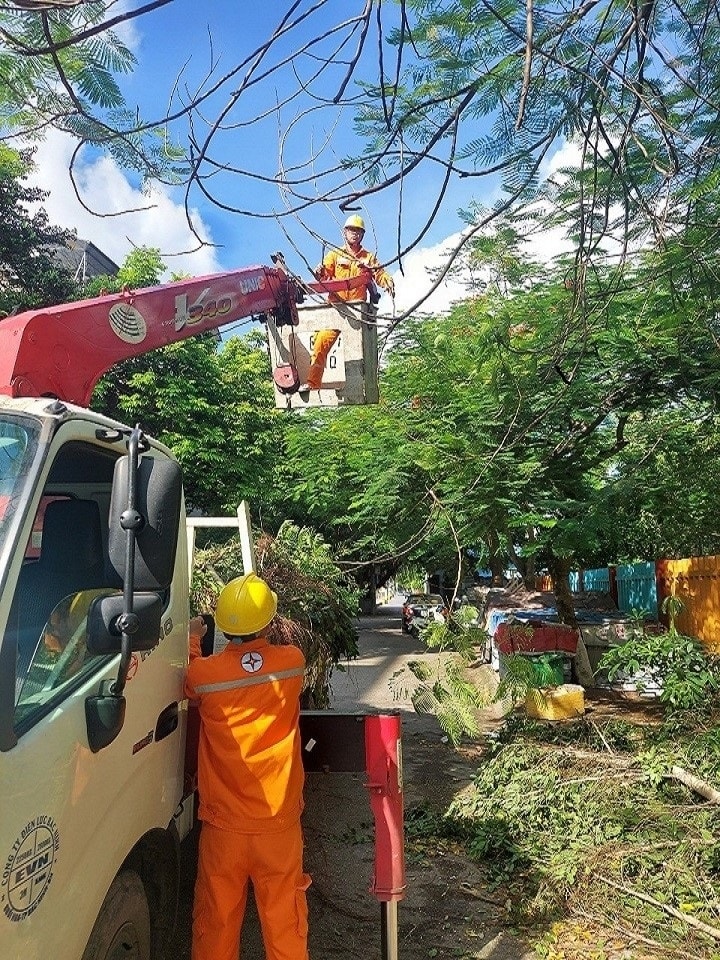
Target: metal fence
597 580
695 581
637 588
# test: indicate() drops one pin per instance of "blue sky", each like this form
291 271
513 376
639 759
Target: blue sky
187 46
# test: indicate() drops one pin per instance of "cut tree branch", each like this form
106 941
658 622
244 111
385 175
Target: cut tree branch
671 911
696 784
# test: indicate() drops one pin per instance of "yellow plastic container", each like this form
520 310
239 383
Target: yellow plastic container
556 703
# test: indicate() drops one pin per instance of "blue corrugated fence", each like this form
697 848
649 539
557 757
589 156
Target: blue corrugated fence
597 579
637 588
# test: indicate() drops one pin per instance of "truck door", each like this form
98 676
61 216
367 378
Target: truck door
69 816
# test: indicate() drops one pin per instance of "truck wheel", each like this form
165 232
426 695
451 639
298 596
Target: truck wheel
122 929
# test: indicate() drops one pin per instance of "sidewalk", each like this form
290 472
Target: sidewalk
446 912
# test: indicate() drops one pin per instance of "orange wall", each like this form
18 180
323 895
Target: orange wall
696 581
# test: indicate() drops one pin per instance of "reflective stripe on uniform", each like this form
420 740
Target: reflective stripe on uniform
249 681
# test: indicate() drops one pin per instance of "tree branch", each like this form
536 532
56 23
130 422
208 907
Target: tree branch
696 924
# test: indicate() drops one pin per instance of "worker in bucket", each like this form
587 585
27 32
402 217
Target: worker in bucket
362 270
250 780
354 263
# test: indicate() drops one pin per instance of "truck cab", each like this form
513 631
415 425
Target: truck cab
89 790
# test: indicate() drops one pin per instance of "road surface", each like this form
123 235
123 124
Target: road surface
366 684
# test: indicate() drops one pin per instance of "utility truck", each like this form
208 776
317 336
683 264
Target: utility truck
94 622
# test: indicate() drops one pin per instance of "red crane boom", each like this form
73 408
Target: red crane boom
62 351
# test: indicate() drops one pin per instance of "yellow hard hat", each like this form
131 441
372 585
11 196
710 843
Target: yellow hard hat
246 605
355 221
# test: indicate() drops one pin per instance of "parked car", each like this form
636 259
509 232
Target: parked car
419 609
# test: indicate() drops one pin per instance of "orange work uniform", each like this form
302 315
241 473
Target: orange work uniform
323 342
361 266
250 780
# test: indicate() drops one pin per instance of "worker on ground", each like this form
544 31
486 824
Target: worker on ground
250 780
354 263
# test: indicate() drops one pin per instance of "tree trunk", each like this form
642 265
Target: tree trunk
528 564
529 573
368 602
560 573
497 569
496 560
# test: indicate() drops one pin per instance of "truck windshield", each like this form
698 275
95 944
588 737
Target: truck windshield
19 437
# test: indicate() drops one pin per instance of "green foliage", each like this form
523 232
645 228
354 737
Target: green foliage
317 603
443 689
459 632
550 811
349 474
536 427
61 69
597 81
142 267
412 577
651 479
31 277
423 822
566 413
688 677
514 425
616 734
523 674
317 596
446 693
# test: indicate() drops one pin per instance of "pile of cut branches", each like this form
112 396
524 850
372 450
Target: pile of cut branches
317 603
597 840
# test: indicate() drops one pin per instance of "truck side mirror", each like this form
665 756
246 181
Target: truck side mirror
104 624
109 628
158 498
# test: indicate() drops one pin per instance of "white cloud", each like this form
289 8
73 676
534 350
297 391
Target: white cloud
547 244
126 30
158 220
568 156
415 281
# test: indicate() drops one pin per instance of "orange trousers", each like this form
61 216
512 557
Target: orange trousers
324 341
226 862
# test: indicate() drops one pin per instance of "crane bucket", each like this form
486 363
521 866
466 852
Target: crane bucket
344 374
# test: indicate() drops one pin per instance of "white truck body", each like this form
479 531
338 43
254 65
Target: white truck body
93 638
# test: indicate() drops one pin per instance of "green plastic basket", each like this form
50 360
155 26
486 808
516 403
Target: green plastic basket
548 669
